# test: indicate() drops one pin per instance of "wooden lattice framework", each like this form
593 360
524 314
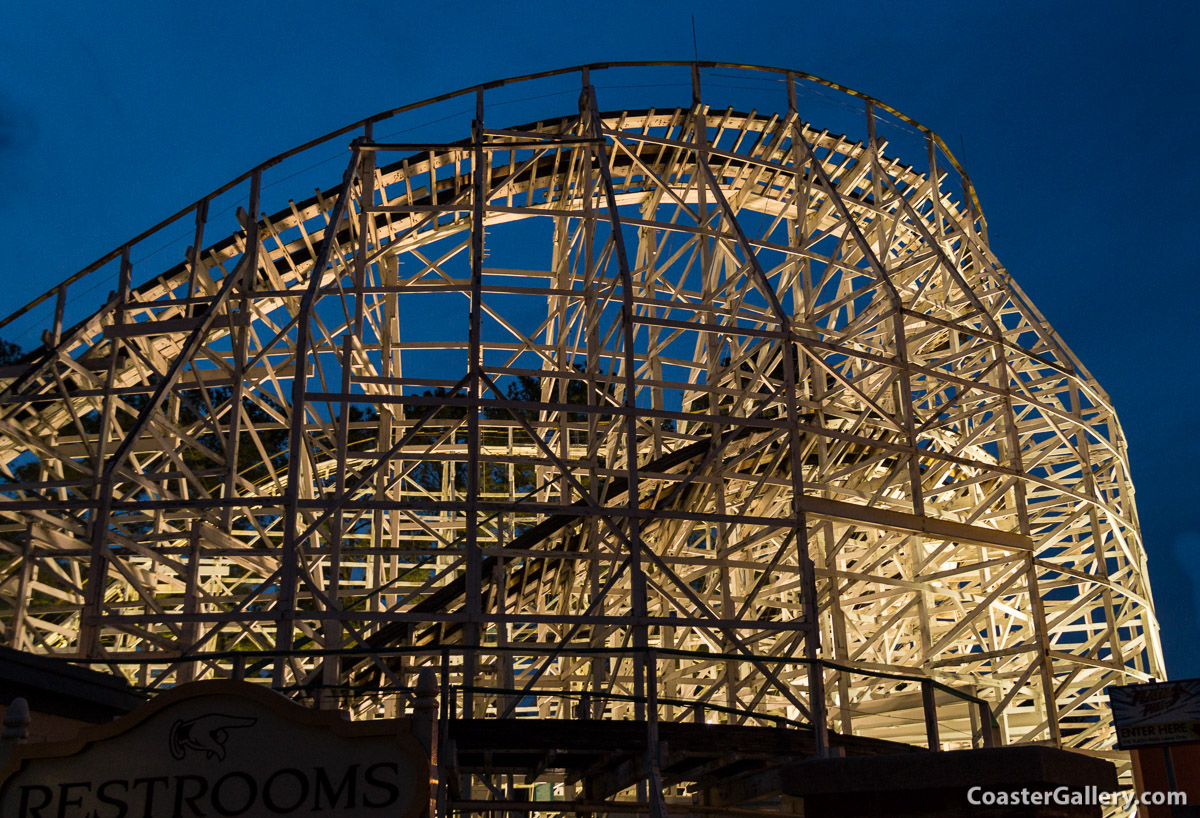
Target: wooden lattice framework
672 406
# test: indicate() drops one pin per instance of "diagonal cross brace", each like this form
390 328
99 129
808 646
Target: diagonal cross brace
94 592
285 599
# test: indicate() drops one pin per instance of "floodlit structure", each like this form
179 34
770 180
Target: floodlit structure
700 411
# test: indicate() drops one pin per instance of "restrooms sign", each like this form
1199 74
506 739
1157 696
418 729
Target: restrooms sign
224 749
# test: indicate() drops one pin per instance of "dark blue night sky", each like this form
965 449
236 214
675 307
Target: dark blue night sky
1077 121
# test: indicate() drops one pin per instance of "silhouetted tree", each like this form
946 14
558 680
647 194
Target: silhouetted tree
10 353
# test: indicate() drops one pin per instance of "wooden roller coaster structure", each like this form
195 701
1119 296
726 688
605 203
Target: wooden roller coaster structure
626 413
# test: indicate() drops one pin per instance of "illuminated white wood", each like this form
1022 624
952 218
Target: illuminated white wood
794 299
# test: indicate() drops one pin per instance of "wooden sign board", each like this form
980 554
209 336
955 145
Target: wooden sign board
1151 715
221 749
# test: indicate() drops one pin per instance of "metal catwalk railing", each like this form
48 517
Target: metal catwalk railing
940 715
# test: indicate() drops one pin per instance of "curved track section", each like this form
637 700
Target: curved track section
712 408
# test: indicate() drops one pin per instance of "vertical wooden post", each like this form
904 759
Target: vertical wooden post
60 306
929 708
474 559
24 581
97 569
629 398
285 598
191 606
986 729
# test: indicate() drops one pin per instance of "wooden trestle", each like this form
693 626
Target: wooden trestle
648 409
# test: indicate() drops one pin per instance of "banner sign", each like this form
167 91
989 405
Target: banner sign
1149 715
221 749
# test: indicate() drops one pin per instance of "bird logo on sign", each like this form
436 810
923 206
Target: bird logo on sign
205 734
